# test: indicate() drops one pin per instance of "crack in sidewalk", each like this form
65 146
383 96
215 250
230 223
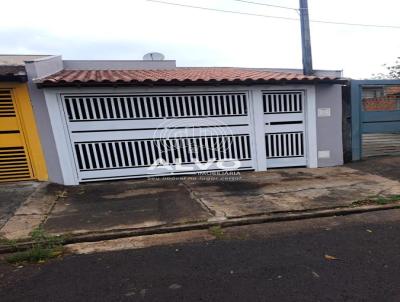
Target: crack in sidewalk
193 195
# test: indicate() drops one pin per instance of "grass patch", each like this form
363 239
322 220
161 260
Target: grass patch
43 247
387 200
217 232
377 200
36 254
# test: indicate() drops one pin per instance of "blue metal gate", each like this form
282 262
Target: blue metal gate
375 109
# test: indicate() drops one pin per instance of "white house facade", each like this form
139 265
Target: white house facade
116 120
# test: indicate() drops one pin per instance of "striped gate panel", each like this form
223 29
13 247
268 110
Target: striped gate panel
377 144
284 128
118 136
99 108
14 162
281 145
143 153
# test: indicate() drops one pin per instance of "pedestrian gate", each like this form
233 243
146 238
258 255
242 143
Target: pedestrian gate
14 162
21 156
284 128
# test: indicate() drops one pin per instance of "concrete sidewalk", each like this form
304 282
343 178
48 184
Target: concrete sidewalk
29 204
124 205
12 195
291 190
120 206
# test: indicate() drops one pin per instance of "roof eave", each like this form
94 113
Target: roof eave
13 78
48 84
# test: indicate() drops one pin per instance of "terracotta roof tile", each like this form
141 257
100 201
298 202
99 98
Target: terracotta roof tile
178 75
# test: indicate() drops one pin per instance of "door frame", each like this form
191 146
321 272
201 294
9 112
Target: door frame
310 122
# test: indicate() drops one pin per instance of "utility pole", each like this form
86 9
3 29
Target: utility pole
305 38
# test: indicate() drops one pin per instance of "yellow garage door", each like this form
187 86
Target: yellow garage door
14 160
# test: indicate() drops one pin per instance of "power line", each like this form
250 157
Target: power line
356 24
274 17
222 10
270 5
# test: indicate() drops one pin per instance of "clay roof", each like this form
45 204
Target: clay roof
180 75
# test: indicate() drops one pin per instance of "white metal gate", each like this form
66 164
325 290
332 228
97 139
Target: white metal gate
123 135
284 120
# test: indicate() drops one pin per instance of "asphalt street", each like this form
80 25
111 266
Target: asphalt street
350 258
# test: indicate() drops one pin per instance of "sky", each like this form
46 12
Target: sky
128 29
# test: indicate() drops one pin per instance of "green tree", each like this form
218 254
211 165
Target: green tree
393 71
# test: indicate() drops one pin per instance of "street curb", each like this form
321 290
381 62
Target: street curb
240 221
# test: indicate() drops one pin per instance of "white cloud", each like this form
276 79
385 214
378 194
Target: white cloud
128 29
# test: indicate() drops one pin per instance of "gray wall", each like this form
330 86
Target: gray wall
329 128
36 69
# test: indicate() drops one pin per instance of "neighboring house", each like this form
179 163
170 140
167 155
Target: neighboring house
21 156
381 98
393 91
104 120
